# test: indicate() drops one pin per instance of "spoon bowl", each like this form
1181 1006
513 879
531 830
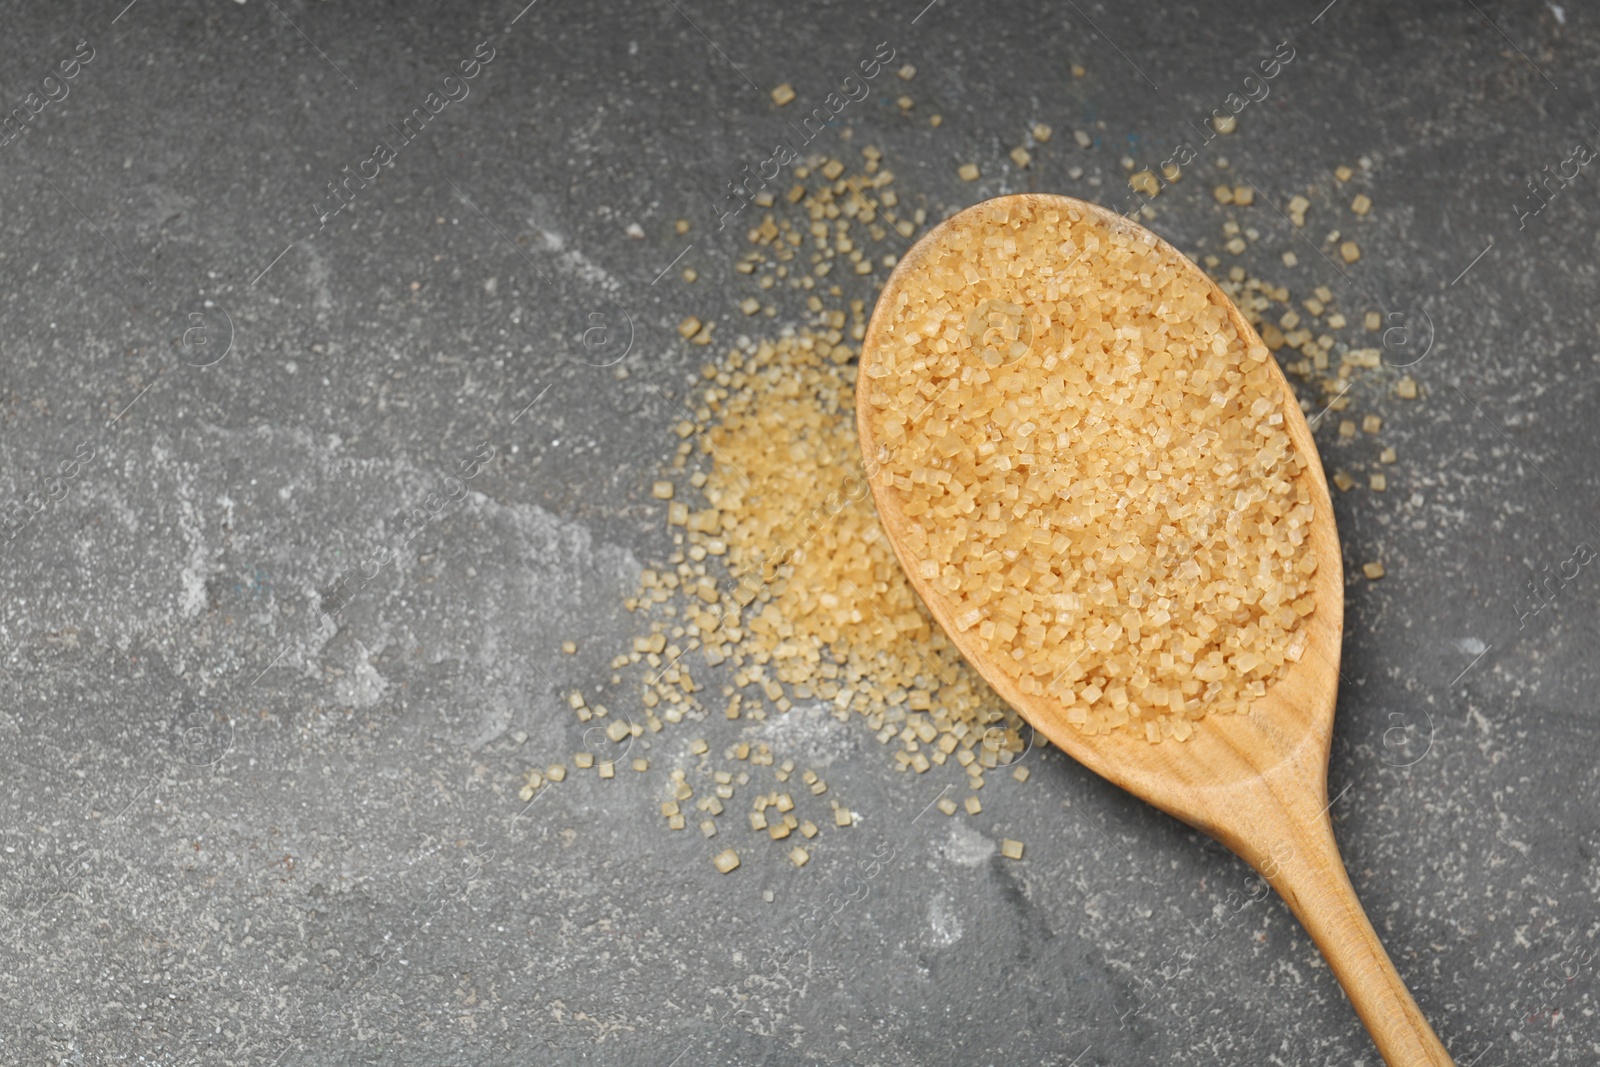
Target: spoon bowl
1256 782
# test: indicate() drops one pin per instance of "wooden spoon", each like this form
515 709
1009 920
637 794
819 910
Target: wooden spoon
1258 783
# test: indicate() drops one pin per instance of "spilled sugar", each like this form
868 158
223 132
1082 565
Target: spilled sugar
781 592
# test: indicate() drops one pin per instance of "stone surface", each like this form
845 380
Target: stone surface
251 814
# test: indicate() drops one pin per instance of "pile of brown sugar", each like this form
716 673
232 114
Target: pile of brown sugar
1095 466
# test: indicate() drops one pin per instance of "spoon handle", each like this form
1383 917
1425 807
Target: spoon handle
1302 863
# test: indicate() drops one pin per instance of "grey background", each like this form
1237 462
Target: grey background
233 837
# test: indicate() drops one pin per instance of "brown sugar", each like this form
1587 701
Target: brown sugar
1095 466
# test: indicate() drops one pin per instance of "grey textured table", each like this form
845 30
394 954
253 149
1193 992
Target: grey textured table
233 836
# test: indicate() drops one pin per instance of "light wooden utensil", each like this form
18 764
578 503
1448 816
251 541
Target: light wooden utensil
1258 783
